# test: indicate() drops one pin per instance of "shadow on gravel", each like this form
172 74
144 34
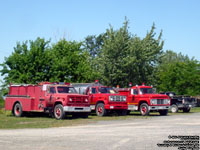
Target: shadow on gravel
47 115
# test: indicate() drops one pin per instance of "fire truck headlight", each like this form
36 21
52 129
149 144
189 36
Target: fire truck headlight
111 98
86 100
166 101
70 99
124 98
153 101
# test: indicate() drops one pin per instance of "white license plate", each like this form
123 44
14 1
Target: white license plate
160 107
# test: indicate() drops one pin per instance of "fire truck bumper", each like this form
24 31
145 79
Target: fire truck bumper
113 106
158 107
132 107
76 109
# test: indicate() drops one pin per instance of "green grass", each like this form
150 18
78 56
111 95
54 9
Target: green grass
8 121
2 103
195 109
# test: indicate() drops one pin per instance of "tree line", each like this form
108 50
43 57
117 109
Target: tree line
115 57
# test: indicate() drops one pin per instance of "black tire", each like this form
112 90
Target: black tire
128 112
144 109
59 112
80 115
17 110
163 112
84 115
186 110
100 110
174 108
123 112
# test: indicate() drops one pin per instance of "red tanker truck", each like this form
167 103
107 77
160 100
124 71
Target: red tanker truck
103 99
54 98
143 99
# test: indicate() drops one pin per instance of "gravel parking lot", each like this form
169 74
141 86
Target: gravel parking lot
130 134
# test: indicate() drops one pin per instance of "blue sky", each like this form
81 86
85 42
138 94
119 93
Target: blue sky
75 19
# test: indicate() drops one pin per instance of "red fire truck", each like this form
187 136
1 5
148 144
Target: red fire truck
103 99
57 99
143 98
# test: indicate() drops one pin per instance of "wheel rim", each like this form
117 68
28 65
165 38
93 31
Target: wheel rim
173 109
100 110
17 110
58 112
143 110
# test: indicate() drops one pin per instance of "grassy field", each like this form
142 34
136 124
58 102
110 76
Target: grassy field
2 102
7 121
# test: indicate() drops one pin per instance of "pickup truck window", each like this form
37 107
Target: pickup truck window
146 91
106 90
52 90
64 89
134 91
94 90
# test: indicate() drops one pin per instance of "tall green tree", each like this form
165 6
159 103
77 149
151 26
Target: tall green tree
70 63
144 57
178 73
93 44
28 63
36 61
114 54
127 58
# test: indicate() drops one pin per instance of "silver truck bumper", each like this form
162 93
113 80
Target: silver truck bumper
76 109
132 107
92 107
158 107
186 105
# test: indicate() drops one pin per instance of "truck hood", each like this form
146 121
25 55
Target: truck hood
71 94
109 94
155 96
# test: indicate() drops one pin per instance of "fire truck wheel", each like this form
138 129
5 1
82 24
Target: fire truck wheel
128 112
144 109
186 110
100 110
59 112
174 108
84 115
163 112
17 111
123 112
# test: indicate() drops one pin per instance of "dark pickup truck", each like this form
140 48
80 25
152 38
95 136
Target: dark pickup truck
181 102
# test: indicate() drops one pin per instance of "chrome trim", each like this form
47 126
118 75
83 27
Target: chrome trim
158 107
76 109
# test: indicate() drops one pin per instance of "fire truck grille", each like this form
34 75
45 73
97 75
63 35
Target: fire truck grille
117 98
160 101
77 100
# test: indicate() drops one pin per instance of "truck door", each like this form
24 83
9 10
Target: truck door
134 93
93 97
51 96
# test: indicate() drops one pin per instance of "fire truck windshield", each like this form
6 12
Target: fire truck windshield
146 91
64 89
106 90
